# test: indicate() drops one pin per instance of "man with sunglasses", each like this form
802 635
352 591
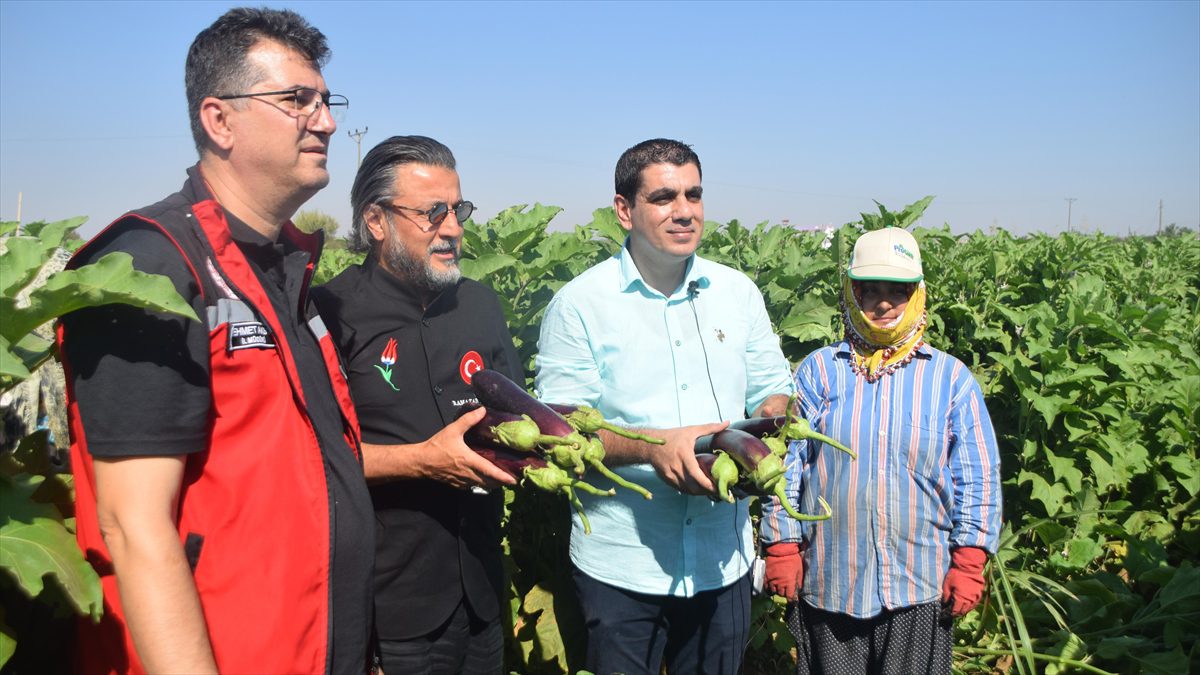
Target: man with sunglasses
412 333
220 494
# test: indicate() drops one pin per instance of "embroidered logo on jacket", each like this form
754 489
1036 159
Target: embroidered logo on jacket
249 335
388 359
471 363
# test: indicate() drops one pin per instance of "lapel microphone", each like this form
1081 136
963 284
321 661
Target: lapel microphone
693 291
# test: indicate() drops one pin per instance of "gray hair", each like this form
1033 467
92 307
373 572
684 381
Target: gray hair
376 179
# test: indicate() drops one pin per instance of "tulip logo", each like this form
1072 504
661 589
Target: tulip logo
388 359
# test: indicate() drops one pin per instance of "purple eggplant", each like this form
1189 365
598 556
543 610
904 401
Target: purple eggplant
721 470
497 391
759 426
509 461
510 430
762 468
786 429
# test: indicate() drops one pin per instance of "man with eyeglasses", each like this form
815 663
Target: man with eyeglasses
412 333
220 494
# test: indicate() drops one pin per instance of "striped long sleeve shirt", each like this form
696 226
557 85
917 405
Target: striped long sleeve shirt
926 480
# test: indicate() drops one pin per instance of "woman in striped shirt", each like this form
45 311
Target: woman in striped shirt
873 589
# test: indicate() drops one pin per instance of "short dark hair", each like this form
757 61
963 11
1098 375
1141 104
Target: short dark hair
654 151
376 177
216 61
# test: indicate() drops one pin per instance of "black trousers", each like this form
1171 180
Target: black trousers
906 641
464 644
634 633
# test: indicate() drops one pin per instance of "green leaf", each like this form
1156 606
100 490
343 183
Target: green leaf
1051 496
12 368
1187 472
1068 646
1065 471
913 212
1161 663
112 279
1048 405
480 268
1081 552
809 319
1118 648
22 259
34 543
8 227
605 223
8 639
548 645
54 232
1102 471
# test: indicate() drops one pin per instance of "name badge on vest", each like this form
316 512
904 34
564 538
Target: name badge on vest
249 335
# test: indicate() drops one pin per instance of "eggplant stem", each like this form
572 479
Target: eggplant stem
723 490
629 433
578 506
829 441
783 501
768 481
544 439
609 474
592 489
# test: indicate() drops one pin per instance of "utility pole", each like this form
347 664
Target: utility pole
19 210
1160 216
1070 201
357 136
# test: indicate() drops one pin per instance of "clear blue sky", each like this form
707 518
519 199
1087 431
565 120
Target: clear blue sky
802 111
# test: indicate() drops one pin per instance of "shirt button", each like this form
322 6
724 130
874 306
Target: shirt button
684 387
425 322
677 343
689 521
437 390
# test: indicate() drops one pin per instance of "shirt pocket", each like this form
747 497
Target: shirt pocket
923 448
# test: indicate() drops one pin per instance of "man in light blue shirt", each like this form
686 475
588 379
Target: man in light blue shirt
661 340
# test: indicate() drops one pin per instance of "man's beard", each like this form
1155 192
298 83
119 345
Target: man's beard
419 271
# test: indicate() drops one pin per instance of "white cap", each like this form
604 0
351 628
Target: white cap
890 254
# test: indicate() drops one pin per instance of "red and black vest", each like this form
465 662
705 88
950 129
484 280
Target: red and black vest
257 497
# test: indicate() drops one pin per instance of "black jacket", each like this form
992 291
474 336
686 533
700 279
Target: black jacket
435 543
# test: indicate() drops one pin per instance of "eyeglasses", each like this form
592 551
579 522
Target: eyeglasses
436 214
302 102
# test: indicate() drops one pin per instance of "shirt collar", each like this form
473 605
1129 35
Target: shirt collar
629 275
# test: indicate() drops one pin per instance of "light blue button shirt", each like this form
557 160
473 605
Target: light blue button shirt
643 359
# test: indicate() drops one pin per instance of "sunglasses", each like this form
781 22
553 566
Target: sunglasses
436 214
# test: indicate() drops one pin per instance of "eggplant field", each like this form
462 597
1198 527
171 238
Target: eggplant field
1087 347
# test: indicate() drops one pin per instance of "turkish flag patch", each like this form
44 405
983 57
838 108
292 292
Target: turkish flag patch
471 363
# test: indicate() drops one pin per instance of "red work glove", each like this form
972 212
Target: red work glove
785 570
963 588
